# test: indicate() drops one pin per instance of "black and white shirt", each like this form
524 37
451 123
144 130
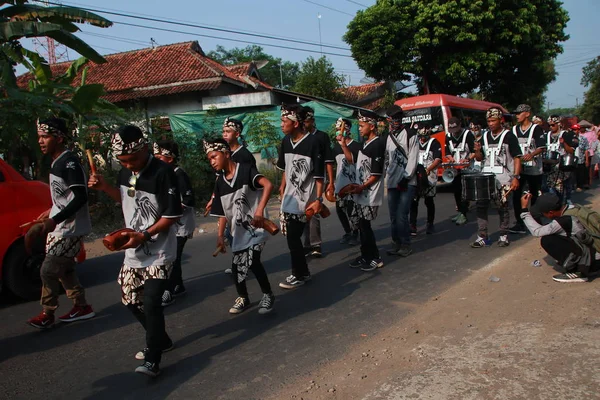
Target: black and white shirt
370 161
303 163
187 222
324 145
430 151
242 156
156 196
499 154
345 171
530 140
461 146
237 200
65 173
401 164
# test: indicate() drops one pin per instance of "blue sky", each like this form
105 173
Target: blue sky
298 19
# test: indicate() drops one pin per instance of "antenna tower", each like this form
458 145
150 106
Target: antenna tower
48 48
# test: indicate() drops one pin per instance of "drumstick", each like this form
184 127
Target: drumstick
218 250
206 212
91 161
27 224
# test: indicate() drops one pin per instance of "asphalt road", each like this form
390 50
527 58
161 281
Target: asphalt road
218 356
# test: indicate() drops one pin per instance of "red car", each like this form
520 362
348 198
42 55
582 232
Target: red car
22 201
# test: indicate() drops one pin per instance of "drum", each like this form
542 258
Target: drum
478 187
551 158
568 162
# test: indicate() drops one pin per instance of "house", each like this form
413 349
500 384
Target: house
370 96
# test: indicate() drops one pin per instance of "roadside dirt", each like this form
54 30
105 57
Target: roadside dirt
524 337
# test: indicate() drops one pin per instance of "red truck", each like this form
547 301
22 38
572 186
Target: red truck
22 201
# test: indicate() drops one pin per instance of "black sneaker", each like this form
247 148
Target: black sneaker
570 277
315 252
149 369
358 262
518 229
167 299
413 230
373 265
240 305
266 303
292 282
141 355
430 229
178 290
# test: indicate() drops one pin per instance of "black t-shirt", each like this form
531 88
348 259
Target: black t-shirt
455 143
324 145
242 155
370 161
156 196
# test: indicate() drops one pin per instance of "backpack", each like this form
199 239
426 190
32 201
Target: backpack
590 220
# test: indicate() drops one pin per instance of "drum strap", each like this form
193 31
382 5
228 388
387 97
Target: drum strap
426 153
530 129
462 144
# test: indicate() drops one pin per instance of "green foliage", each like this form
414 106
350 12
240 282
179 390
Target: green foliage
590 108
270 73
274 175
456 47
562 111
591 72
263 135
318 78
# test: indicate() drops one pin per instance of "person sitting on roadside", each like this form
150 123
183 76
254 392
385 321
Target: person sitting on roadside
564 238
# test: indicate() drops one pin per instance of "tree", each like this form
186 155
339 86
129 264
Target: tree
318 78
273 73
460 46
591 72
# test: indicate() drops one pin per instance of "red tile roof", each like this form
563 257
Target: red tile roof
170 69
240 69
354 94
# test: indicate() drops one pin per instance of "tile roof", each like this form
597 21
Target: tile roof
240 69
158 71
354 94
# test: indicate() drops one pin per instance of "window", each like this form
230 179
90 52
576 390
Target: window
468 115
431 116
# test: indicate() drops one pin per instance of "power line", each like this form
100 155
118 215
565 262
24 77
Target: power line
222 38
357 3
225 30
329 8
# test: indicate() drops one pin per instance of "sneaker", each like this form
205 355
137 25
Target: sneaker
42 320
240 305
167 299
503 241
315 252
228 271
373 265
570 277
430 229
579 190
266 303
517 228
480 242
178 290
461 219
413 230
456 216
354 240
149 369
358 262
141 355
403 250
346 238
78 313
292 282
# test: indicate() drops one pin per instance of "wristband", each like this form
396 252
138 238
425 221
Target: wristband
147 235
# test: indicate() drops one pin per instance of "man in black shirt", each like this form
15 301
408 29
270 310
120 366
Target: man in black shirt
65 223
168 151
149 196
312 231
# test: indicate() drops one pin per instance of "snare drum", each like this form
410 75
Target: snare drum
478 187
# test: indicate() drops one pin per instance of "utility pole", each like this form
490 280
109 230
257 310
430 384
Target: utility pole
320 43
281 75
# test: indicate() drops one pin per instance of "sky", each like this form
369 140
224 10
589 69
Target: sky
299 20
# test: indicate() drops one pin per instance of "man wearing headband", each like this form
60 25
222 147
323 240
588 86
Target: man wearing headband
430 157
149 196
301 160
560 142
459 149
241 197
345 153
312 231
532 141
66 223
582 153
565 239
502 156
368 195
168 151
537 120
402 156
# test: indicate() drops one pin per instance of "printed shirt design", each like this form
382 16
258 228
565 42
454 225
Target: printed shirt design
503 155
66 172
370 161
345 171
454 144
237 201
156 196
435 152
538 140
303 163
